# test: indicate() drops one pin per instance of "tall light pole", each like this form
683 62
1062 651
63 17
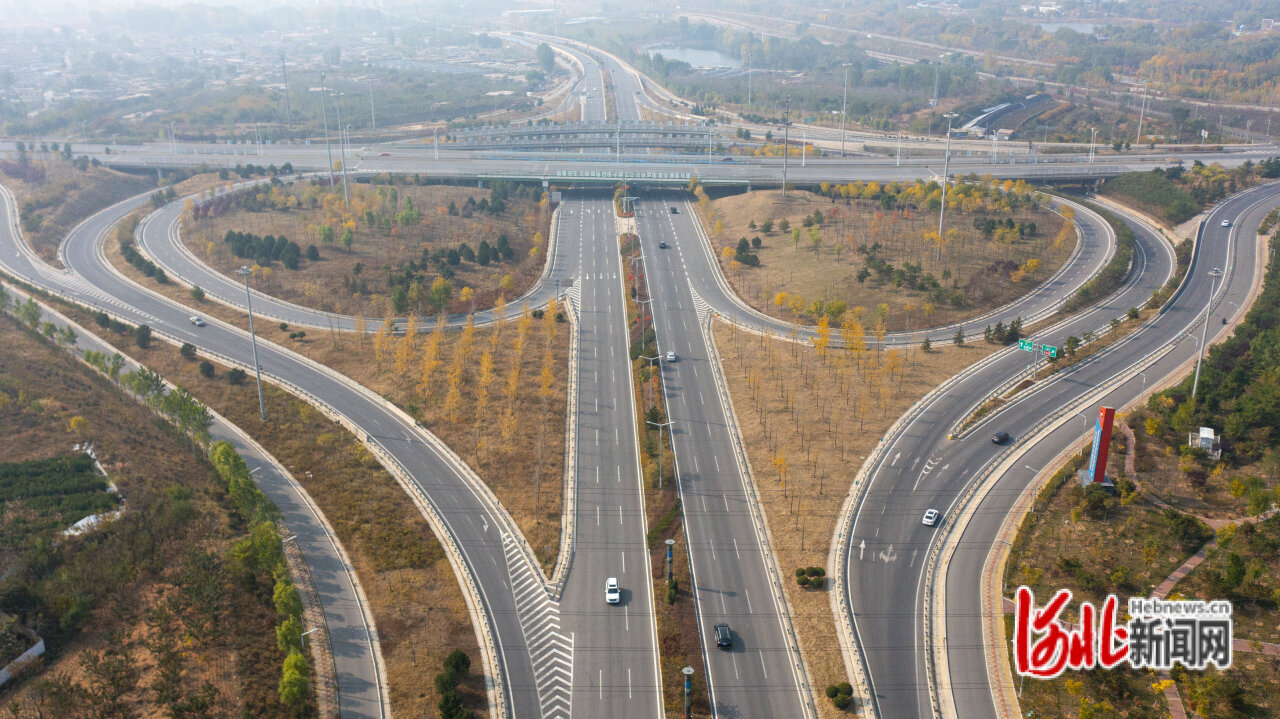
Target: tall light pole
288 112
1142 115
660 425
786 147
688 691
844 105
324 114
342 150
1215 273
946 170
244 272
1093 140
373 119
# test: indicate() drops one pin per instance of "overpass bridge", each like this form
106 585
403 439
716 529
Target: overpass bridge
576 135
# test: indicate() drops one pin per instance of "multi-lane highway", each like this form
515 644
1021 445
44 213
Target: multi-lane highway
735 577
1081 389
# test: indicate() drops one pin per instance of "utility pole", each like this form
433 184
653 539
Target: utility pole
324 114
786 148
244 272
1215 273
844 106
288 112
946 170
373 119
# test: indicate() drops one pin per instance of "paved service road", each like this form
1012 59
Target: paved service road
734 574
1231 248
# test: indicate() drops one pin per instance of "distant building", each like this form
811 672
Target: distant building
1207 441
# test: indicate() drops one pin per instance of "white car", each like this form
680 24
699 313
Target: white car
612 594
196 321
931 517
1226 223
671 356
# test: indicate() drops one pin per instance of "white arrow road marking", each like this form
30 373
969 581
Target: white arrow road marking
894 463
862 547
889 555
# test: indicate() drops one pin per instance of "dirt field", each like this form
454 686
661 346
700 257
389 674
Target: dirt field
974 274
121 574
520 456
390 250
808 423
55 197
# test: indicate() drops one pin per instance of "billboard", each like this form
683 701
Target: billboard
1101 444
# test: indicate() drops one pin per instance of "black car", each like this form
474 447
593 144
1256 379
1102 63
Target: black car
675 211
724 637
999 437
662 244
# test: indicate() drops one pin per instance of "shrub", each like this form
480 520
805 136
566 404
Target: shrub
237 376
802 580
197 294
832 692
207 369
103 319
284 326
673 588
845 688
142 335
816 572
188 351
842 701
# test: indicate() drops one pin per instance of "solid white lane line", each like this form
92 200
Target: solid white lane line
747 594
619 514
763 668
735 548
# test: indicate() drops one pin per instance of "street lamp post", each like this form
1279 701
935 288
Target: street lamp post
1093 140
786 146
671 543
324 115
244 273
649 384
660 425
342 150
1215 273
844 105
946 171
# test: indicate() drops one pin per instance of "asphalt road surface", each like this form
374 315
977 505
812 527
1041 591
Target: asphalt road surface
1232 249
734 572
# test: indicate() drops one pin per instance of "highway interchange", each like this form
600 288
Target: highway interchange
553 647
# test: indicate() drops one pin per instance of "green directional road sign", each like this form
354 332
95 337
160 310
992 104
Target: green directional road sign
1051 351
1025 345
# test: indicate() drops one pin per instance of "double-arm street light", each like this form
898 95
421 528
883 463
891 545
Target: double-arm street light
244 272
660 425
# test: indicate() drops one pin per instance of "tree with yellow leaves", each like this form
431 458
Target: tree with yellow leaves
430 361
382 342
468 295
406 347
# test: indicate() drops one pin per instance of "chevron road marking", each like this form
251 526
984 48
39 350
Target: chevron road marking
550 650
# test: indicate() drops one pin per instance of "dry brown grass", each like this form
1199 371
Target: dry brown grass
417 604
325 284
831 272
823 416
515 446
43 388
65 197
